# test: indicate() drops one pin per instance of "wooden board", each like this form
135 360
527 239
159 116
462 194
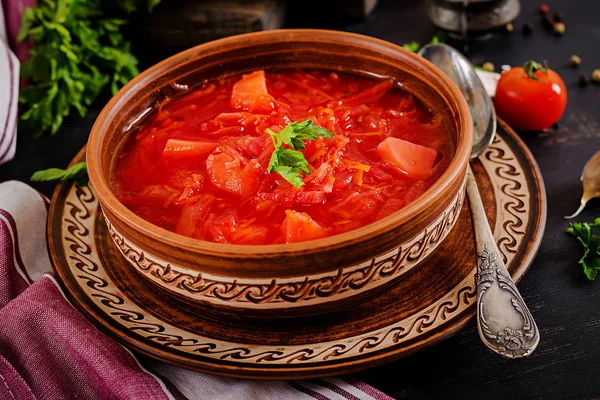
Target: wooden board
430 304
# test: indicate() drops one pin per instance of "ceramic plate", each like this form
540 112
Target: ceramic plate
430 303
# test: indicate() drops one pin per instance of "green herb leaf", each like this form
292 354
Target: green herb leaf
294 159
291 175
79 53
310 131
289 162
77 172
412 46
591 246
439 37
297 144
131 6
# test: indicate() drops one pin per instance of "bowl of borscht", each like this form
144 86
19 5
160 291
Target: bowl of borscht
282 172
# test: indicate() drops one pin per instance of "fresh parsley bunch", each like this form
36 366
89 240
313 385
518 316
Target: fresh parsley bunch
591 246
289 162
79 51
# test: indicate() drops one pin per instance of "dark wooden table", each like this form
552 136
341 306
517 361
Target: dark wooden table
565 305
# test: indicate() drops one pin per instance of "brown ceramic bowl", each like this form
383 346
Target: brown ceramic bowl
308 277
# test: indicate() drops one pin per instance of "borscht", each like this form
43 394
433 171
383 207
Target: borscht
280 156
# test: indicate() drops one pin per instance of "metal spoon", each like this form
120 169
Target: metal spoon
504 322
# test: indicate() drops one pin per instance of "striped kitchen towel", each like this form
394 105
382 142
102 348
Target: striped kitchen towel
9 93
48 350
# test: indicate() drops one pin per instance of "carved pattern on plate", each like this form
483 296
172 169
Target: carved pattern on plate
79 247
512 196
299 291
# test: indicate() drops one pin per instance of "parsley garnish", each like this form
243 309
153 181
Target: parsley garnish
77 172
289 162
591 246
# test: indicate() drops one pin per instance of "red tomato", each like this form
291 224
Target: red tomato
530 104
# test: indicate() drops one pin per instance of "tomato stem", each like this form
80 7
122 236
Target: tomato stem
531 67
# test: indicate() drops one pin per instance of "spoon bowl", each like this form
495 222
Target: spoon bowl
460 71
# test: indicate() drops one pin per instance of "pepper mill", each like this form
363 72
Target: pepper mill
469 18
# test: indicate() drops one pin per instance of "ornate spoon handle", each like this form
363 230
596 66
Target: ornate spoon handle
504 322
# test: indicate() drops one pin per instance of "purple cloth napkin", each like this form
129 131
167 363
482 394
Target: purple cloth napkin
48 350
10 23
9 91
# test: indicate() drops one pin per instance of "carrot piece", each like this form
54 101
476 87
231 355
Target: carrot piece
299 227
251 177
356 165
250 93
358 177
188 148
414 160
293 197
370 95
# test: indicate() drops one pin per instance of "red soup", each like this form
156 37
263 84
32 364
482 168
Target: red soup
280 157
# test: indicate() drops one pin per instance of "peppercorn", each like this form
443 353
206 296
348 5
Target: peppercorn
510 27
575 60
558 17
596 76
547 23
544 9
583 80
488 66
559 28
527 29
